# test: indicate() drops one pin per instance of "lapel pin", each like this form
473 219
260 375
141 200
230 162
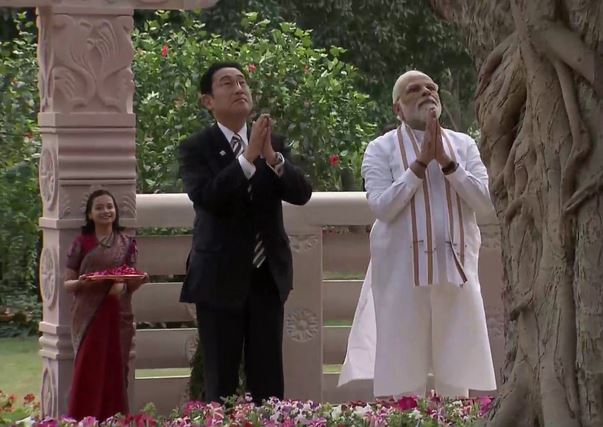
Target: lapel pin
222 153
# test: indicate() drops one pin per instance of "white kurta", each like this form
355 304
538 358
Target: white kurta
422 256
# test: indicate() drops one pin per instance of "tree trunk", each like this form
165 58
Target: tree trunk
538 104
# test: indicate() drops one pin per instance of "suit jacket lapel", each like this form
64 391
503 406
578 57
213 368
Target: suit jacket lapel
223 151
221 147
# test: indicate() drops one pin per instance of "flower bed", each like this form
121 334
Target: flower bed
241 412
10 414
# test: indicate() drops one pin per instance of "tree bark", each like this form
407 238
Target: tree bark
538 104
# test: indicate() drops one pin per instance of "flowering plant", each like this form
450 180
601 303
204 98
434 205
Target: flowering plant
10 414
310 93
241 412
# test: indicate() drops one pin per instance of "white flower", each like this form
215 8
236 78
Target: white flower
362 410
457 411
301 419
415 414
28 422
336 412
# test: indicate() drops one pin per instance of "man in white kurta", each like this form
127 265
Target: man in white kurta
421 309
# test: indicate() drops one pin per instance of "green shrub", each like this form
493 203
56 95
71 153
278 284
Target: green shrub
20 208
309 92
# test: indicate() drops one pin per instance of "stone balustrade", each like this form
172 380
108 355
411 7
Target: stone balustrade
329 263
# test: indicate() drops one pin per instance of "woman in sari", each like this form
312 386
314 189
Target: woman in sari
102 321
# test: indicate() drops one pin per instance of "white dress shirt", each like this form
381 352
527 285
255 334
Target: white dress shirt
246 165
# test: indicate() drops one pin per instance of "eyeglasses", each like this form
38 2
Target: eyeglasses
229 84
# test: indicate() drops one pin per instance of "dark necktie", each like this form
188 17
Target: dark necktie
258 251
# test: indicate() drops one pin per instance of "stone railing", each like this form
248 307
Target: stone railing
329 265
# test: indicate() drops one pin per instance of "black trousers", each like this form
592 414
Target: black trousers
255 330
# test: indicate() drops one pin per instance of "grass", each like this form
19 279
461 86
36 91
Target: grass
337 323
20 367
331 369
334 275
159 373
185 372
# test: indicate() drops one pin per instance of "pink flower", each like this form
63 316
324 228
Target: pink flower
251 68
164 50
334 160
88 422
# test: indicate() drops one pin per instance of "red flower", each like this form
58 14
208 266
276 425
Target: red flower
29 398
485 404
164 50
192 406
251 68
407 402
435 398
334 160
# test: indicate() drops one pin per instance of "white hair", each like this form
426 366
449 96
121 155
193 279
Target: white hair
398 85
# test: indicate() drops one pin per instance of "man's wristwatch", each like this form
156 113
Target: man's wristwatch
450 167
279 159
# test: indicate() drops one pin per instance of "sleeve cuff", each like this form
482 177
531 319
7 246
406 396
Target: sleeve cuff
410 178
450 167
278 168
248 168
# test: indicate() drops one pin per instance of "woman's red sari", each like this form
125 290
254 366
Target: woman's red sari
101 331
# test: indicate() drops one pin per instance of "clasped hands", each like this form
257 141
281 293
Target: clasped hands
432 147
260 141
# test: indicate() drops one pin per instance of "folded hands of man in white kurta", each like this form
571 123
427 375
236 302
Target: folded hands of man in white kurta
421 310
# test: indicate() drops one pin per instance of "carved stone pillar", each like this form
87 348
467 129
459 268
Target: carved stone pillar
87 128
302 337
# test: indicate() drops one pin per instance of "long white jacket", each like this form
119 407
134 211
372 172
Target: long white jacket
425 234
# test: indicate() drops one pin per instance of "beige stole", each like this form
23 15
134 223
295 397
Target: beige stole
455 216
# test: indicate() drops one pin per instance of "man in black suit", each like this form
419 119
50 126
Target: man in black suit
239 271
